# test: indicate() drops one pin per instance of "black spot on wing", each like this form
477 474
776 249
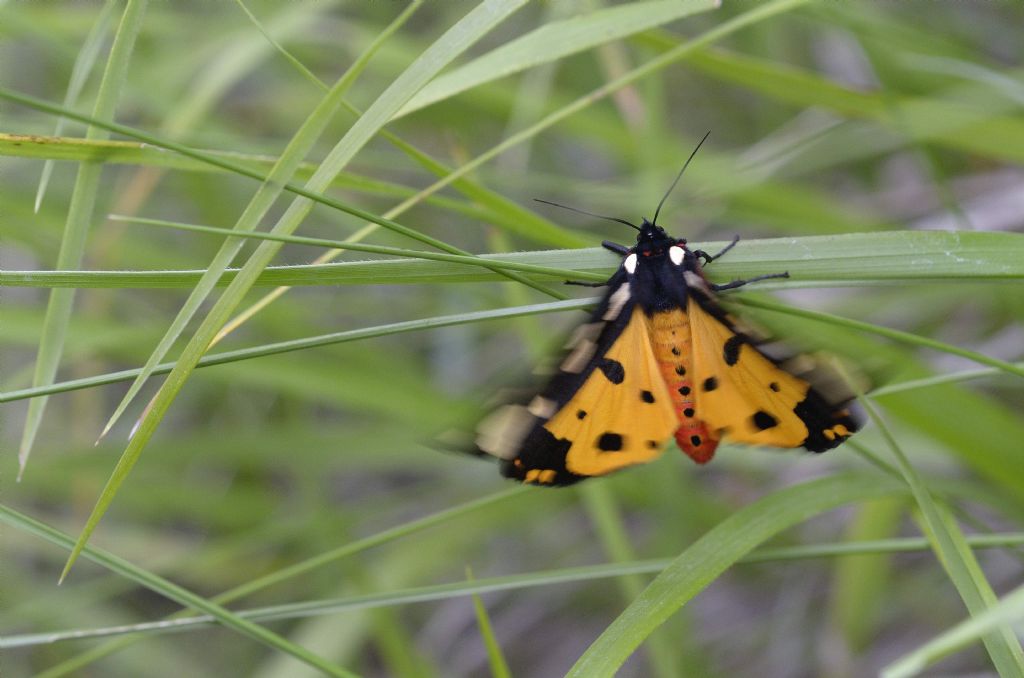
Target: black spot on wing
731 349
581 414
774 386
612 369
763 421
688 412
710 384
680 370
818 416
695 441
609 442
647 396
541 450
684 390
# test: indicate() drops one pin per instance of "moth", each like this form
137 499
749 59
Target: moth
660 359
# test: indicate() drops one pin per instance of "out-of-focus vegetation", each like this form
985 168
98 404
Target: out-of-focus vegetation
302 485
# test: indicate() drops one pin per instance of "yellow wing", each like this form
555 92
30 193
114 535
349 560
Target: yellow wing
622 414
749 399
608 407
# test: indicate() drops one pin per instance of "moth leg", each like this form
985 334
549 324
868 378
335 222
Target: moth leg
701 254
740 283
586 284
616 247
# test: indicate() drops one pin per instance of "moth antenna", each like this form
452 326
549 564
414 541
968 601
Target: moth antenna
679 176
589 214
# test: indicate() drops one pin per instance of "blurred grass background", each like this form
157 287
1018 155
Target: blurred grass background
827 118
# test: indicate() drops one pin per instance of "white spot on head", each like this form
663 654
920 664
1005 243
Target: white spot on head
675 253
630 264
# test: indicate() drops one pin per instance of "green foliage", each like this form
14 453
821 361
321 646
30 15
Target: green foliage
866 148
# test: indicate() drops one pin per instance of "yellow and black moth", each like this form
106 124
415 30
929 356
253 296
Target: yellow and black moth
660 359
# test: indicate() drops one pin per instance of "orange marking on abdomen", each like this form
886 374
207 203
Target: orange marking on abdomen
670 334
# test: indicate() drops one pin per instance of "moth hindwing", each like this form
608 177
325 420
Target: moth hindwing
660 359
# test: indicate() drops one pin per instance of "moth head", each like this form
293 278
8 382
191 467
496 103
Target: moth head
652 241
650 233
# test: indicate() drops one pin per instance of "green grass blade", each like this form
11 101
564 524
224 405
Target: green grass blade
268 192
84 63
79 218
712 554
1002 642
517 582
610 527
308 565
512 216
556 40
499 667
458 319
969 117
308 342
860 582
488 205
898 335
937 380
502 211
459 38
222 161
306 73
320 276
481 262
752 17
322 177
172 591
1004 85
508 215
812 261
1009 610
957 559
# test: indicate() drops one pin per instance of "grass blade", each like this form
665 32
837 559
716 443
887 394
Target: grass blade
173 592
898 335
86 59
517 582
499 667
308 565
754 16
610 527
951 548
712 554
459 38
971 117
812 261
80 215
373 249
308 342
256 210
1007 611
479 316
556 40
